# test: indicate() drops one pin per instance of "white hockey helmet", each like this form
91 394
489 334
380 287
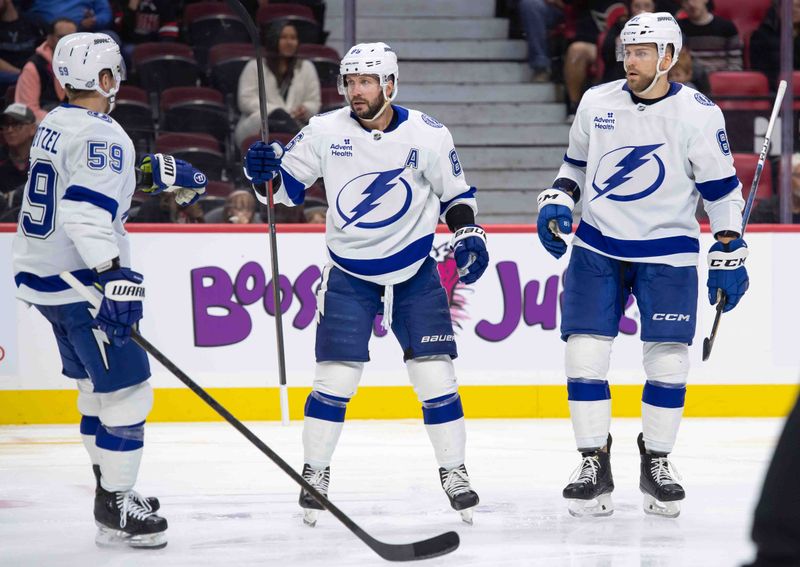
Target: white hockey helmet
659 28
79 57
370 59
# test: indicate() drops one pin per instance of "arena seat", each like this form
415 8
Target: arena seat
740 90
201 150
301 17
161 65
195 109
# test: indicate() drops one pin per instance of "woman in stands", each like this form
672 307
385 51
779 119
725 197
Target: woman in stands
293 92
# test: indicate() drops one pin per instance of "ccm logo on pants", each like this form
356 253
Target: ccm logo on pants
671 317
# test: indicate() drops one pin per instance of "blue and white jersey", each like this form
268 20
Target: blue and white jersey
386 190
642 168
77 198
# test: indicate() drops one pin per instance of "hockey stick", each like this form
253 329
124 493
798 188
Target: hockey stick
425 549
241 11
708 343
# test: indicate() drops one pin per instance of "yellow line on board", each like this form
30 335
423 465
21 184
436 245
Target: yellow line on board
19 407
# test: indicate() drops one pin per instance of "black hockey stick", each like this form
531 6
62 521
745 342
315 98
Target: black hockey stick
241 11
433 547
708 343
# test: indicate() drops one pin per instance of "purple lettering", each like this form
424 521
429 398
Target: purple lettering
543 313
304 290
247 295
285 293
512 305
217 330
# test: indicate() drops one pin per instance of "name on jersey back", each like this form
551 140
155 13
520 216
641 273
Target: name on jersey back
46 139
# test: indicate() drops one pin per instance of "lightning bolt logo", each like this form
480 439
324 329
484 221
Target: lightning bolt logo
384 182
101 338
633 160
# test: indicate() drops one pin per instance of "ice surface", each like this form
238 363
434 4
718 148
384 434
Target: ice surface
227 504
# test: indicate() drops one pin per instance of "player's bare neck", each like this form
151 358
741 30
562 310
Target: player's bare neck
659 91
91 101
382 122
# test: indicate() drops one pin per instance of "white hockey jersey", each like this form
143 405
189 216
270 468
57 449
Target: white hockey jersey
77 198
386 190
641 169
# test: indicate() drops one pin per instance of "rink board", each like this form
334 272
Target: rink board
209 309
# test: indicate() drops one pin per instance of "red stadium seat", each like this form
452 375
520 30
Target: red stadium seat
325 59
225 64
281 137
301 17
745 170
331 99
195 109
201 150
740 90
211 23
161 65
133 111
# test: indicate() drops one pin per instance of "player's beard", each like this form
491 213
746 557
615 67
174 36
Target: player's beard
372 108
640 82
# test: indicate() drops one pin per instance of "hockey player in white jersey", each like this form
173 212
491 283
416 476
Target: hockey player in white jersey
79 190
390 174
642 151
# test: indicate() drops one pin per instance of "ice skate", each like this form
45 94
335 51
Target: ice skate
456 485
319 479
150 502
591 485
657 481
122 521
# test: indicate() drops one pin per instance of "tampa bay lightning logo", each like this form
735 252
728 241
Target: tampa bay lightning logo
629 173
374 200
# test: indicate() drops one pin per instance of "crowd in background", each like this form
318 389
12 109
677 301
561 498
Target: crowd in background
574 42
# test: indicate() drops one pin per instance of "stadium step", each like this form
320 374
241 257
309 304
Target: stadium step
465 72
494 113
547 157
390 30
475 92
419 8
528 135
455 50
511 179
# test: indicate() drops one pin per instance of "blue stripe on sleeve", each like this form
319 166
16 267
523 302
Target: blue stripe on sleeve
469 194
583 390
294 188
52 284
717 188
86 195
636 248
414 252
325 406
442 409
575 162
664 395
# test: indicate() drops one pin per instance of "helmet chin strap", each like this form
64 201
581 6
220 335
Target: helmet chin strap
386 104
659 73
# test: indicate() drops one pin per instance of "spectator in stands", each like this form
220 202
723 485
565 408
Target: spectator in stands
163 209
612 69
292 84
689 74
765 43
88 15
582 52
18 41
17 126
769 209
239 208
37 87
315 206
141 21
538 17
714 41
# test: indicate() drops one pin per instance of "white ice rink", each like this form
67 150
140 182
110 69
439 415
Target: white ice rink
227 504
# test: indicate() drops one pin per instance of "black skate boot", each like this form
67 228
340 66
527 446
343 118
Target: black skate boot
456 485
589 494
662 493
319 479
122 520
149 502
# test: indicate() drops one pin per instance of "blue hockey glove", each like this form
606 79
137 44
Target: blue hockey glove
726 272
469 250
555 215
162 172
262 161
121 308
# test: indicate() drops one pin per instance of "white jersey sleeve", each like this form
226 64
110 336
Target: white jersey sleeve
97 166
301 166
714 174
574 166
446 177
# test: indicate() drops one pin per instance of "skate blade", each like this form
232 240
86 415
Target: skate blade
596 508
108 537
310 517
466 515
657 508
